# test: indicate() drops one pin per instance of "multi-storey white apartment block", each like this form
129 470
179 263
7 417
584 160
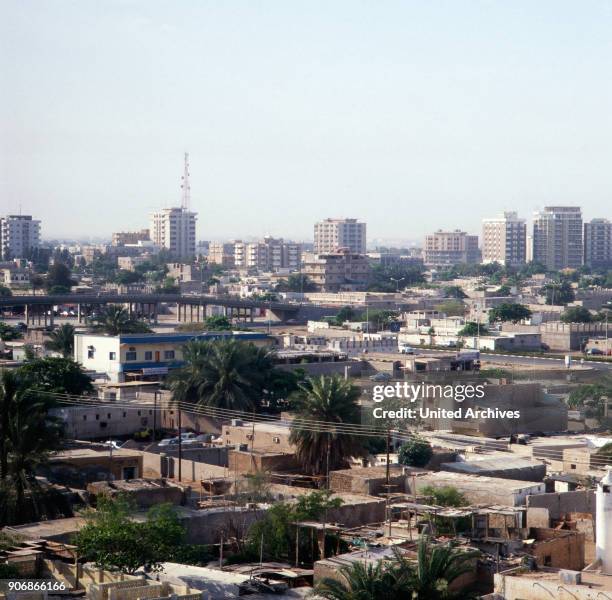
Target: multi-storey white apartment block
331 235
18 235
447 248
557 237
504 240
174 229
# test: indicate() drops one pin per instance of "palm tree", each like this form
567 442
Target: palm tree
116 320
223 373
325 399
361 581
438 565
27 437
401 578
62 340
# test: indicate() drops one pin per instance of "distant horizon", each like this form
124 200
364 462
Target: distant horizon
413 117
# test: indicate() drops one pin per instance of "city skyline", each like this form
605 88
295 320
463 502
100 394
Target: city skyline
375 115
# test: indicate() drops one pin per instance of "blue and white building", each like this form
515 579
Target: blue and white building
145 356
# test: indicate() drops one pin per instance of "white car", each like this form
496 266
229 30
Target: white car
406 350
173 441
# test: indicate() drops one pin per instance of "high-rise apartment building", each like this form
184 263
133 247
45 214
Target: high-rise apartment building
598 243
122 238
504 240
447 248
557 237
269 254
331 235
18 235
221 253
174 229
337 271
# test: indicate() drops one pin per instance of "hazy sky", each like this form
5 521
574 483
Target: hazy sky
409 115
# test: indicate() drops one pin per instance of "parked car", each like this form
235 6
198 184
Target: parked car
381 377
405 349
594 352
173 441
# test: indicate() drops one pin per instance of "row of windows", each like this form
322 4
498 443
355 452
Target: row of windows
148 355
109 416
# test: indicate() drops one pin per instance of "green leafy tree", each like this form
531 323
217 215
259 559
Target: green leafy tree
277 527
127 277
504 290
112 540
224 373
57 375
330 399
297 282
61 340
451 307
388 278
362 581
59 275
36 282
8 333
445 496
558 293
217 323
5 292
509 311
115 320
454 291
577 314
416 452
471 329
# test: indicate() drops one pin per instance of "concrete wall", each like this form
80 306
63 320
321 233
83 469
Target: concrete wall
558 549
559 504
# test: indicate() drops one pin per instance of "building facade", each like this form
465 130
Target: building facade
504 240
269 254
146 356
337 272
221 253
123 238
18 235
332 235
598 243
447 248
174 229
557 237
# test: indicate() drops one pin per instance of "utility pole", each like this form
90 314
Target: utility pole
180 445
154 413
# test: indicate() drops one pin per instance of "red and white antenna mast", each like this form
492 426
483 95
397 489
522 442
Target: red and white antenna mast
185 186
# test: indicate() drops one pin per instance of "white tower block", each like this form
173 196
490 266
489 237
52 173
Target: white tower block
603 529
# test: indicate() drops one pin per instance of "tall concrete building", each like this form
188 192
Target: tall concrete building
504 240
269 254
122 238
447 248
598 243
340 271
557 237
331 235
18 235
174 229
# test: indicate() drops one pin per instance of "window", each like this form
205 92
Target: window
108 416
572 466
276 440
90 351
547 560
124 414
97 417
168 354
84 417
148 355
130 355
112 356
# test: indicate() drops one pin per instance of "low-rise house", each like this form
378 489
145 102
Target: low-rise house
144 356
